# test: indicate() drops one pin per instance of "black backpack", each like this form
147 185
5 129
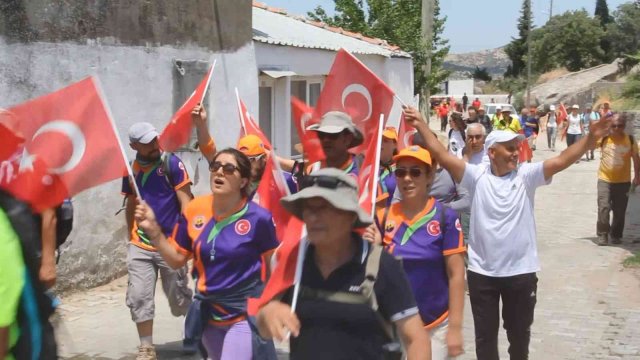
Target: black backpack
37 340
64 224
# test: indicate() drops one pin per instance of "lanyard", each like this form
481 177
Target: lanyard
217 228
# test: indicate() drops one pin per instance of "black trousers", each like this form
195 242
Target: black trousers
612 197
444 120
519 294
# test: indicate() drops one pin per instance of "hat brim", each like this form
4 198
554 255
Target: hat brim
411 156
148 137
358 139
294 203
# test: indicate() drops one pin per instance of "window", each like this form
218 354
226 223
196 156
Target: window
299 90
314 93
187 74
265 112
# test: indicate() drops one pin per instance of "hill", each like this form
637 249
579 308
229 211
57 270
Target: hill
495 60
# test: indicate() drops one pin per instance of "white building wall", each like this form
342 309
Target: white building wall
396 72
138 85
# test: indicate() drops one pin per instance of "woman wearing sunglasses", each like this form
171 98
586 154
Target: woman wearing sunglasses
228 237
427 236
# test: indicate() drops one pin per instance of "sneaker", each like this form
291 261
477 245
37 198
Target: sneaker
616 240
146 352
603 240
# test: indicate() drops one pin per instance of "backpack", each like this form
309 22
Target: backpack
36 340
64 223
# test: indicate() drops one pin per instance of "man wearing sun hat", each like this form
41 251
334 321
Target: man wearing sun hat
335 316
503 259
338 134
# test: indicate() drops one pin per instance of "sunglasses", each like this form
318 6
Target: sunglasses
414 172
327 182
227 168
619 126
329 136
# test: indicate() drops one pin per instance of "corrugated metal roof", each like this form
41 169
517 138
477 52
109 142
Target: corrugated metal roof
274 26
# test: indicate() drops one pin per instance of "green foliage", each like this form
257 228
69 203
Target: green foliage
632 261
624 31
602 12
398 22
570 40
481 74
517 48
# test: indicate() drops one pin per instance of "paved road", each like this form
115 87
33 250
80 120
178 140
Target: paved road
589 306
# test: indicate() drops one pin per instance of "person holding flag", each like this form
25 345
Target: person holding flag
387 179
165 186
350 291
427 236
503 259
229 239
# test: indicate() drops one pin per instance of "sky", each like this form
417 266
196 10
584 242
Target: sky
472 25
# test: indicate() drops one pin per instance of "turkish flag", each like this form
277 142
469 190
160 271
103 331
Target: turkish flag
369 171
271 189
249 125
405 134
524 150
178 130
352 88
10 134
287 269
70 146
303 118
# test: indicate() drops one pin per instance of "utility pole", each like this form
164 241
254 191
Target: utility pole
528 102
427 39
550 9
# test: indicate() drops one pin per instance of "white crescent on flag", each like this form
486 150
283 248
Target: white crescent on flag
75 135
362 90
407 135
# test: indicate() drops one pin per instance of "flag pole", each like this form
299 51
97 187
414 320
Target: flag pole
242 124
299 262
206 88
376 172
132 179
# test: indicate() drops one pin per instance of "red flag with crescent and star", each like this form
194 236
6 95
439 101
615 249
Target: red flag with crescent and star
248 124
69 147
271 189
287 267
303 118
352 88
177 132
405 134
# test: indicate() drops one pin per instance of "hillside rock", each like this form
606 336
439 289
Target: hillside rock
576 87
495 60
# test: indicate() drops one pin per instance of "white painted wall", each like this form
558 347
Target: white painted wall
137 83
459 87
396 72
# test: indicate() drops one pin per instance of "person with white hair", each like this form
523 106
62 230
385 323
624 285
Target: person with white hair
503 259
474 151
552 127
573 126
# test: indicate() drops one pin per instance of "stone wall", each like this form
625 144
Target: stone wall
132 47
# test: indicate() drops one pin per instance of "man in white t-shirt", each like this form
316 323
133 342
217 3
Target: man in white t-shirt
503 257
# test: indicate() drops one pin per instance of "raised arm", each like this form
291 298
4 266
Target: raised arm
447 160
573 153
205 142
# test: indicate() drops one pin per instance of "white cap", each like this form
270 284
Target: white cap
576 106
552 107
498 108
142 132
500 136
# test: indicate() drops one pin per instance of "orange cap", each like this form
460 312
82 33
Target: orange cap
251 145
390 133
414 152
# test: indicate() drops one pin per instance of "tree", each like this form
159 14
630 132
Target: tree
602 13
570 40
481 74
398 22
517 48
624 31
